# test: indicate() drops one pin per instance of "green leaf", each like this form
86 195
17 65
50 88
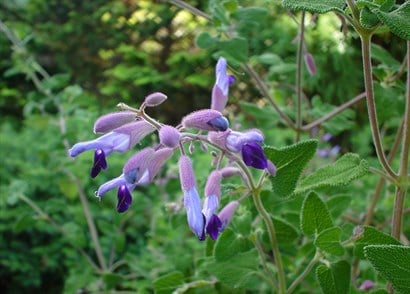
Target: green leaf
112 279
393 264
340 173
338 204
229 244
335 279
290 162
238 270
315 216
315 6
285 232
251 15
367 18
169 281
398 21
204 40
371 236
236 48
329 241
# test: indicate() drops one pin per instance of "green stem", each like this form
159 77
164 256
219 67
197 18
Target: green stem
272 237
404 180
299 58
307 270
371 105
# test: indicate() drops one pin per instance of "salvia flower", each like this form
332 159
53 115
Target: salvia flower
221 88
206 120
192 201
212 197
111 121
227 212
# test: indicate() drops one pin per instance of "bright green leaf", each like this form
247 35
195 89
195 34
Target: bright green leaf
393 264
367 18
290 162
340 173
329 241
204 40
372 236
169 281
398 21
229 244
315 215
236 48
285 232
315 6
335 279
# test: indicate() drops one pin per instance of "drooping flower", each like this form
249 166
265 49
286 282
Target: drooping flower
225 216
119 140
192 201
206 119
253 155
211 204
124 199
221 88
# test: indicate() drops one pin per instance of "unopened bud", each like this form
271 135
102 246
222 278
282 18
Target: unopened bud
227 212
205 119
169 136
155 99
310 64
111 121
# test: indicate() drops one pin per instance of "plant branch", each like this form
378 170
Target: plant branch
307 270
299 58
192 9
334 112
371 105
265 92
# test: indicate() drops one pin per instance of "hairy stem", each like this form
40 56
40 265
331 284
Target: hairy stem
307 270
371 105
299 58
272 237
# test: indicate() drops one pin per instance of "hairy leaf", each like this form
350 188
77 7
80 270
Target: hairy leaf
346 169
315 216
315 6
290 162
329 241
335 279
398 21
393 264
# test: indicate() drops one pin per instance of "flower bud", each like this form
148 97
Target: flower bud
271 168
186 173
366 285
310 64
227 212
111 121
205 119
155 99
229 171
169 136
135 167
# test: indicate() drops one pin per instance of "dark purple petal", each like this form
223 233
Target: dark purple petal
219 123
253 155
231 79
99 162
214 227
124 198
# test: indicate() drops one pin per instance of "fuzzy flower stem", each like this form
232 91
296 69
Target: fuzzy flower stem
371 105
140 113
299 59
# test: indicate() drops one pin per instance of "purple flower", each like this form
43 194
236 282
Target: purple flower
111 121
155 99
211 204
169 136
124 199
206 119
366 285
253 155
310 64
119 140
192 201
221 88
99 162
227 212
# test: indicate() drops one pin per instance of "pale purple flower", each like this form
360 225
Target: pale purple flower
155 99
192 201
113 120
225 216
169 136
366 285
220 90
310 63
271 168
206 119
211 204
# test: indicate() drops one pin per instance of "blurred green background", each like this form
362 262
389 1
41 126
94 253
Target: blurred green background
71 61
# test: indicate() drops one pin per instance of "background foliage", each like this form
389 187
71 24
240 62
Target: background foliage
72 61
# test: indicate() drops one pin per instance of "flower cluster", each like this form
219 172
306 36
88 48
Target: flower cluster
122 130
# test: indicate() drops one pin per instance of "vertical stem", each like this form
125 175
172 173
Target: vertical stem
371 105
299 77
401 191
272 237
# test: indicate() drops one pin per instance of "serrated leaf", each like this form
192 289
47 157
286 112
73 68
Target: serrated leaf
315 6
329 241
315 216
340 173
372 236
237 271
236 48
335 279
398 21
393 264
290 162
169 281
229 244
